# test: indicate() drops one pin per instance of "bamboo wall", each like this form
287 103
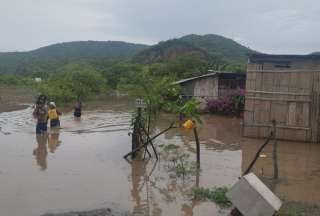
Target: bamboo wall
288 95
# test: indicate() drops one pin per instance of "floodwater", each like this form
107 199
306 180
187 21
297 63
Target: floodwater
81 166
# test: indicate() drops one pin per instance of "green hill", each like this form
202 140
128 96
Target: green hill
168 50
211 48
188 53
49 58
217 45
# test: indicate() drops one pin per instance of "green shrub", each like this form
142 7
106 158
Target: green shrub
216 195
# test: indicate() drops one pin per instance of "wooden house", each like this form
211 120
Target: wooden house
284 88
212 85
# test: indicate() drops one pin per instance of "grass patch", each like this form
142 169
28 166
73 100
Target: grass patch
169 147
179 161
216 195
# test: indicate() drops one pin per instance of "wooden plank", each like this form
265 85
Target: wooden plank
250 75
267 81
279 112
306 114
284 82
293 82
280 93
291 120
258 81
280 133
295 135
278 99
276 83
249 105
250 131
264 131
314 118
299 114
279 126
248 117
316 82
250 84
254 75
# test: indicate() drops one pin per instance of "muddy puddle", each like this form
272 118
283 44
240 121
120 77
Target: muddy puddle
81 166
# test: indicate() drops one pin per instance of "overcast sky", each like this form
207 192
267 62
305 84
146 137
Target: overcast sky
273 26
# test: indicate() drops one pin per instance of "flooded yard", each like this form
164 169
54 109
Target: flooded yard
81 166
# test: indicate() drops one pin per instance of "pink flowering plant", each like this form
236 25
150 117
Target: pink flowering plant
229 105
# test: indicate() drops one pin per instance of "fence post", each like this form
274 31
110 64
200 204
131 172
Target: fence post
275 146
136 134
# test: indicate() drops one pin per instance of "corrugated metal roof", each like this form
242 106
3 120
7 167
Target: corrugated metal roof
203 76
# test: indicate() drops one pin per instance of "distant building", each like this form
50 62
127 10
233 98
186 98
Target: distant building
285 88
212 85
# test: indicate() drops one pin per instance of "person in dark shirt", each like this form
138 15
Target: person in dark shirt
77 109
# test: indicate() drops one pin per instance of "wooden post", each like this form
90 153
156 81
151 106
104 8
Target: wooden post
257 154
136 135
198 146
275 145
148 142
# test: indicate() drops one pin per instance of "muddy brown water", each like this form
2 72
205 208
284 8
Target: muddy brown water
81 166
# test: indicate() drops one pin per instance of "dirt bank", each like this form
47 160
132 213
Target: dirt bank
14 98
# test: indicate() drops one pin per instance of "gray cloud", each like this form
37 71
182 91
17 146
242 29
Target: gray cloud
274 26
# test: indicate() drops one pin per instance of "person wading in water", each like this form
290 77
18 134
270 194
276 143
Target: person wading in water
41 114
77 109
53 115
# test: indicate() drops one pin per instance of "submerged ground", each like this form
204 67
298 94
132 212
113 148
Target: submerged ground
81 167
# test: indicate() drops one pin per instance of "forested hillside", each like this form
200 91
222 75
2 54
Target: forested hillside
169 50
217 45
49 58
195 52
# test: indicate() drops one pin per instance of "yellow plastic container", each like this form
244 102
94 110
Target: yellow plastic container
188 124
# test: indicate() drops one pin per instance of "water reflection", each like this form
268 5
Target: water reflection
53 139
41 152
155 191
44 142
141 191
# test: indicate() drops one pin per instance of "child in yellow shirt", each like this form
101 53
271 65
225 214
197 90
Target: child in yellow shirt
53 115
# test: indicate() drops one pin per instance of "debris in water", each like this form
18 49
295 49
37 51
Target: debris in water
217 141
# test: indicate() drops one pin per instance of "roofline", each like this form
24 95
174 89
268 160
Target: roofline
283 56
203 76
